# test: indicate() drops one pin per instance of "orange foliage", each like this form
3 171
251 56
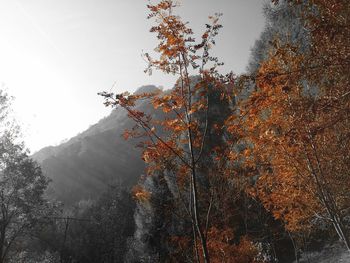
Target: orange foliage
296 123
141 194
223 249
295 128
177 143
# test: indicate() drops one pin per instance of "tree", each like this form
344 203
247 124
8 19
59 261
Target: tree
290 131
92 230
296 122
177 144
22 186
282 23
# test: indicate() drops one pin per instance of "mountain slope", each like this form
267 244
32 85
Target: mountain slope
84 166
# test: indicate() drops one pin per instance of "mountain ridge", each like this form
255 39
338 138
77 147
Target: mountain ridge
83 167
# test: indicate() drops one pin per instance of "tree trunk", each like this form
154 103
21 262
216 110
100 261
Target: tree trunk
194 189
339 226
196 219
295 247
327 200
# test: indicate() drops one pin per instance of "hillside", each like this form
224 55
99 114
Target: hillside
85 165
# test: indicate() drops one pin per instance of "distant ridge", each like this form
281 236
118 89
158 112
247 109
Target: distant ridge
86 164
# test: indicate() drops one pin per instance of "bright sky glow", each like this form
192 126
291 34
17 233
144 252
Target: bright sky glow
55 55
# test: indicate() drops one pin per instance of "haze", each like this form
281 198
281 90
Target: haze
55 55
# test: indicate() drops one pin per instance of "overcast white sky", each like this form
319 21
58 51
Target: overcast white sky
55 55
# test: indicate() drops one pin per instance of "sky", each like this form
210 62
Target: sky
56 55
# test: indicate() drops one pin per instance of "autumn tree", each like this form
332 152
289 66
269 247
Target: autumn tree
178 143
296 123
282 22
290 131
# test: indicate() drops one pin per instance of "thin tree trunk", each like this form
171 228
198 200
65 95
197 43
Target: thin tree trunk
194 189
328 201
342 232
196 219
193 227
295 247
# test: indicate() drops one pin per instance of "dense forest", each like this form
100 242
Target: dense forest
220 167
